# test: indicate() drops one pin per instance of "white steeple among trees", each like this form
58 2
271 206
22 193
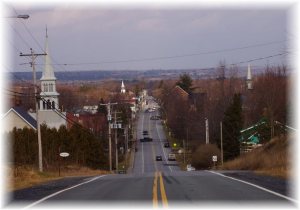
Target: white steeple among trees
123 87
249 79
49 96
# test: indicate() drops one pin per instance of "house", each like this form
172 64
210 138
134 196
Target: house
19 118
96 123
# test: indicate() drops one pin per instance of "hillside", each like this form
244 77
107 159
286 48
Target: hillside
271 159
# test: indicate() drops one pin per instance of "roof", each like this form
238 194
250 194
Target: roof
180 91
24 115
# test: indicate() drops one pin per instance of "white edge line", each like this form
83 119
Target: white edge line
254 185
61 191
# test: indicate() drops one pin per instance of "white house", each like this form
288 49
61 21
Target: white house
19 118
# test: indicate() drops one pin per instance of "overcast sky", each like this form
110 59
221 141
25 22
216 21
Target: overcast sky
103 38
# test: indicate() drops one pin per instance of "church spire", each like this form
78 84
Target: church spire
48 73
48 94
123 87
249 78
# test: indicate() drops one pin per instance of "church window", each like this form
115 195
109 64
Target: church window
50 87
48 104
46 87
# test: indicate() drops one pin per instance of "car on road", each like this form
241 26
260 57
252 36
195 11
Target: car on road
155 117
189 167
167 145
146 139
171 157
158 158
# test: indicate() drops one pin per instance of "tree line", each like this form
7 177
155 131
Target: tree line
84 147
226 99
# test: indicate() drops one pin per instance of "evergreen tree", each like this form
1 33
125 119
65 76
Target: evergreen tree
232 124
185 82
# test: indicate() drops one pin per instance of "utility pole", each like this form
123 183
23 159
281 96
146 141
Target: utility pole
108 105
116 140
221 143
206 131
183 151
126 143
32 63
116 126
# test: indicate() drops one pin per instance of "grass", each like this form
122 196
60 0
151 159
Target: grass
271 159
27 176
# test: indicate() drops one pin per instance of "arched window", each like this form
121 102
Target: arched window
48 104
50 87
46 87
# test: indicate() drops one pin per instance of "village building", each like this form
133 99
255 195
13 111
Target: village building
18 118
96 123
49 111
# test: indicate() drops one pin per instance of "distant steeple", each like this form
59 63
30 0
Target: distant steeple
249 79
48 93
123 87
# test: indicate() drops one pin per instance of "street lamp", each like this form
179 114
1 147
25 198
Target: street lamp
20 16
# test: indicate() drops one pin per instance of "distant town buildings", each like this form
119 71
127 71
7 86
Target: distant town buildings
96 122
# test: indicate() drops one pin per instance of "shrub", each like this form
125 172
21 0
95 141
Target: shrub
202 156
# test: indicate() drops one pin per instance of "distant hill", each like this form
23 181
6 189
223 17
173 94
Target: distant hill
65 76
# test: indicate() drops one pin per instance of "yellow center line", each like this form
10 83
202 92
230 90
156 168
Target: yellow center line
163 192
155 200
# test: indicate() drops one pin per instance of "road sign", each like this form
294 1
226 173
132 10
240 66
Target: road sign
116 125
214 158
64 154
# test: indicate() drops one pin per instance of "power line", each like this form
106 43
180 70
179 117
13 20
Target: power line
175 56
20 36
32 36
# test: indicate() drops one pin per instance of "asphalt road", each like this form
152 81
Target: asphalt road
158 184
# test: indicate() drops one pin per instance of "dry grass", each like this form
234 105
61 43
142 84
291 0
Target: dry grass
26 176
271 159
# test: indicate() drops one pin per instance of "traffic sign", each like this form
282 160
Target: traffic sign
64 154
214 158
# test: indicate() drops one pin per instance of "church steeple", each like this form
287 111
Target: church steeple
123 87
48 94
48 73
249 79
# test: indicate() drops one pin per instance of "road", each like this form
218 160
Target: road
154 184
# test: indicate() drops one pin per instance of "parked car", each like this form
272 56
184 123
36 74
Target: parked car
189 167
158 158
171 157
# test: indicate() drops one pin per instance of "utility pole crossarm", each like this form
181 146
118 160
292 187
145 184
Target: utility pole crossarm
33 54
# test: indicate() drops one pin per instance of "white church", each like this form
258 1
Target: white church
49 111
